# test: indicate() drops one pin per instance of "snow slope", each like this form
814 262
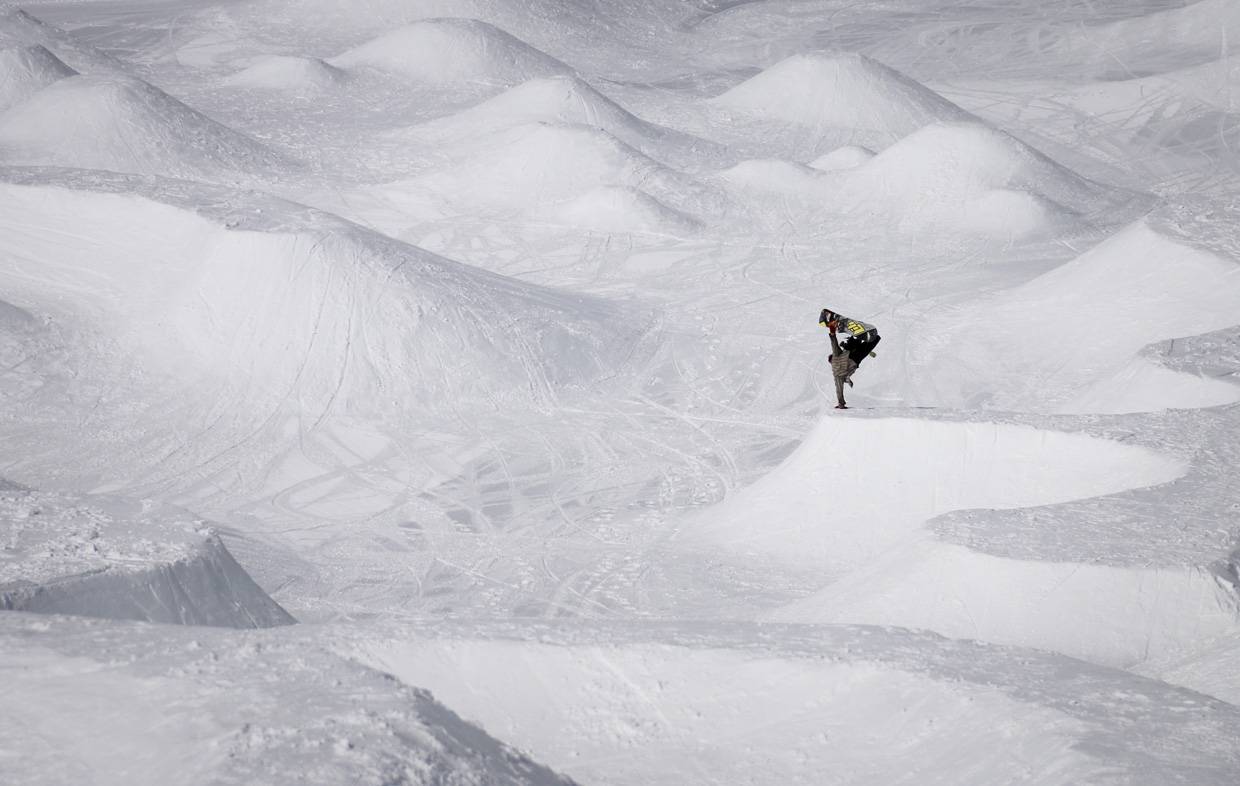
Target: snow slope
125 125
114 703
104 557
855 705
588 487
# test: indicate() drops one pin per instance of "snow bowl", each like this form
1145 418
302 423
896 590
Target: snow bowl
106 557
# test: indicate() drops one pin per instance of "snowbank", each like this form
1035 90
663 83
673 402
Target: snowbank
105 557
840 91
26 70
452 50
280 72
125 125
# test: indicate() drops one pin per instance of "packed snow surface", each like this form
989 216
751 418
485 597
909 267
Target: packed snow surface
479 340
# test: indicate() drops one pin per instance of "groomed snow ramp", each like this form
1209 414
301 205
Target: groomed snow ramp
837 502
25 71
125 125
848 91
440 51
110 558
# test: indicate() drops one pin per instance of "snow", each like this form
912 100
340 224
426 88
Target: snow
113 558
848 91
124 125
26 70
450 50
281 72
479 341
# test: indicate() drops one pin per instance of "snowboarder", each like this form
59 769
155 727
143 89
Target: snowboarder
860 343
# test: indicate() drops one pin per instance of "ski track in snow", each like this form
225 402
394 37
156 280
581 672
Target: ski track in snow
482 336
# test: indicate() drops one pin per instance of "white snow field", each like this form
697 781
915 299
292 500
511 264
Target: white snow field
431 392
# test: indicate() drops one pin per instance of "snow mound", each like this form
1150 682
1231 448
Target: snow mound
845 157
26 70
840 91
772 174
104 557
336 316
973 177
625 209
452 50
561 100
281 72
953 160
545 163
125 125
1136 288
